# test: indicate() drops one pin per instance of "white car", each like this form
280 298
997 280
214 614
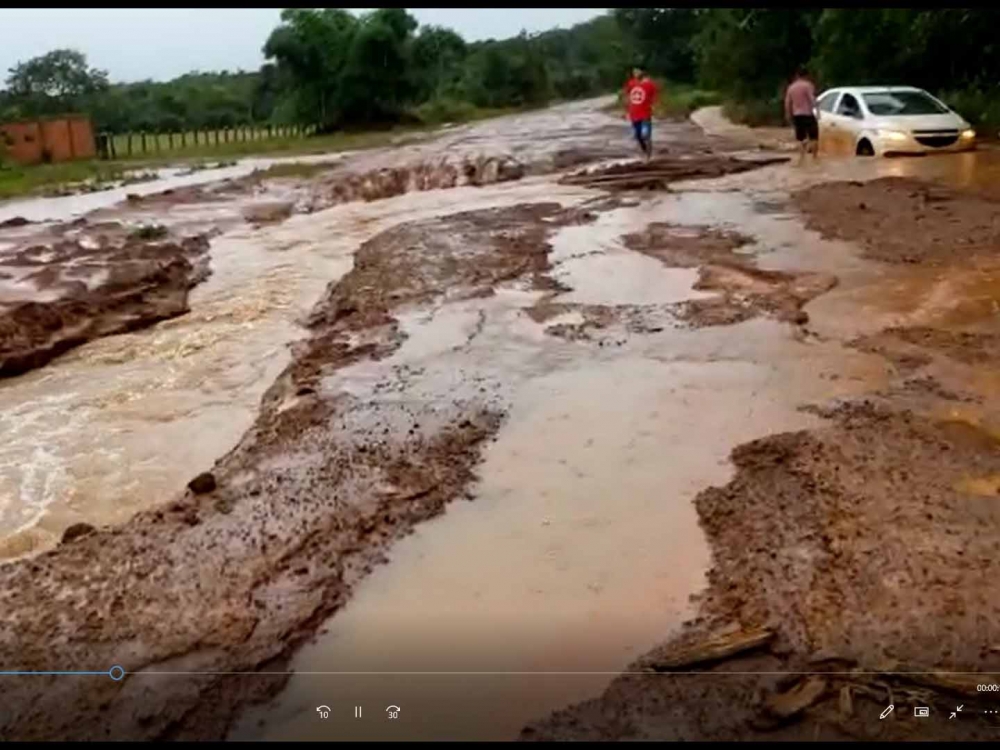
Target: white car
881 120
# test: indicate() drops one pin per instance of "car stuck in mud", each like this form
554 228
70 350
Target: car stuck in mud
889 120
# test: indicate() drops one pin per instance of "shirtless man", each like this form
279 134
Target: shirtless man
800 110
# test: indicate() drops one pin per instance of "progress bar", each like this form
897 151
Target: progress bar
116 673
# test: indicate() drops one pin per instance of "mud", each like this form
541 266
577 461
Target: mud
844 543
90 286
662 170
301 509
904 220
853 563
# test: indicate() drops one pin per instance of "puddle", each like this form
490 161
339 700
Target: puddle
592 261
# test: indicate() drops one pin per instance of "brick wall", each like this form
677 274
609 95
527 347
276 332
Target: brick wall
57 139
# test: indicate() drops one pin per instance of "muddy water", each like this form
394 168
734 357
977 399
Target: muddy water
120 424
67 207
581 548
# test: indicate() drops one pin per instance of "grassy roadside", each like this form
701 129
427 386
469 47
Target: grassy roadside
18 181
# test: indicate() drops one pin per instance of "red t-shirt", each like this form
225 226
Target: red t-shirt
640 95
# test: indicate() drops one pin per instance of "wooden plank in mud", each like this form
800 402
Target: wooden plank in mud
714 649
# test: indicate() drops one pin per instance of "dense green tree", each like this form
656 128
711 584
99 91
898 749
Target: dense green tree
57 81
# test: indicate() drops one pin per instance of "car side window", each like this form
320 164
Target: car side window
826 102
849 106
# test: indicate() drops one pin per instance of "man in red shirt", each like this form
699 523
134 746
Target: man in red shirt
640 95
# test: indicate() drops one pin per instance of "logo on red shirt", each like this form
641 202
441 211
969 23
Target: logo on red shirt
640 99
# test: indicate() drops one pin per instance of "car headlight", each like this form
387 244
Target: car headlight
893 135
968 133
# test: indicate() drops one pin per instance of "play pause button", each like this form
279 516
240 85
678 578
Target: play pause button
357 712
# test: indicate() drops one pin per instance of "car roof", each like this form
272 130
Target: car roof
871 89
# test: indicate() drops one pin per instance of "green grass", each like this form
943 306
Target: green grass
16 181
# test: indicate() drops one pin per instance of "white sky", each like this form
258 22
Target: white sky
161 43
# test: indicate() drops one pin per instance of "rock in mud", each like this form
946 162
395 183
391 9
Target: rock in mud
204 482
16 221
268 213
76 531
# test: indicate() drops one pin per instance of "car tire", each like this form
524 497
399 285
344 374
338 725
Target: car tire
864 148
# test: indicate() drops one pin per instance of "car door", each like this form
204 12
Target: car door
849 120
825 107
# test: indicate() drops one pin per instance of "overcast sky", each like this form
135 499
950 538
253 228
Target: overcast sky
160 43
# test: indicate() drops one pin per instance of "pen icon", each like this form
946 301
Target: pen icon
888 710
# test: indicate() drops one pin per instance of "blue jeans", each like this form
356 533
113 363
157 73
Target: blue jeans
643 130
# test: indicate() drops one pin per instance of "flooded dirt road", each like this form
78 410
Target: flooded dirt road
514 446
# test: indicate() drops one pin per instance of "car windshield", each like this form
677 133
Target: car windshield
902 103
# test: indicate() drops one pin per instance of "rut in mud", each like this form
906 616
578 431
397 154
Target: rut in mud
79 288
301 509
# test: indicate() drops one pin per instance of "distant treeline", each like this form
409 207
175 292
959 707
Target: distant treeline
749 55
331 69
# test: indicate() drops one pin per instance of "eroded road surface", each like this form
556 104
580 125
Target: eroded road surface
509 431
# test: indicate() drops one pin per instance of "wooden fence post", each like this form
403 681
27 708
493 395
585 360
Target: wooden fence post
195 134
128 142
144 141
216 137
170 140
184 139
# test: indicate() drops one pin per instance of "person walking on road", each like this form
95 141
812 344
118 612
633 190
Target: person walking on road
800 111
640 95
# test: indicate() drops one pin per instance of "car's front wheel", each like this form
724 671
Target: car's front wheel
865 148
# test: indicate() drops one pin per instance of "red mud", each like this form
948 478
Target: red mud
903 220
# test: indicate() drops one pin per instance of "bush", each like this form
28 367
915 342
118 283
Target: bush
981 108
680 101
757 112
443 109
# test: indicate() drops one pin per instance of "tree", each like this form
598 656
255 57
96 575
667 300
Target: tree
57 81
436 55
376 83
662 38
751 54
311 47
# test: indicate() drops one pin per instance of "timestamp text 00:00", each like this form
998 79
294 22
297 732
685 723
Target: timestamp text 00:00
991 687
